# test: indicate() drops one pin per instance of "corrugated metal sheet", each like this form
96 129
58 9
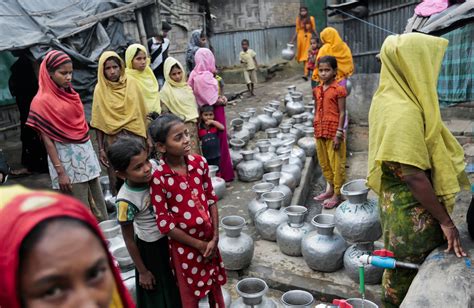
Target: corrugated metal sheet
267 43
365 41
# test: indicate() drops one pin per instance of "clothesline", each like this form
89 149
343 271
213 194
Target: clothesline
365 22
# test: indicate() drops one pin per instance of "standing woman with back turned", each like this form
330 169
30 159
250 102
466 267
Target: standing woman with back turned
57 114
305 29
416 165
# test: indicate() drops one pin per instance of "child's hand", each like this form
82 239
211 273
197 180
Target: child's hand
337 143
202 247
210 249
147 280
209 122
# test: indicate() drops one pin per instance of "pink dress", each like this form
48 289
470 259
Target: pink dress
206 90
183 202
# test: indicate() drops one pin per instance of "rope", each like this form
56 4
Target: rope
365 22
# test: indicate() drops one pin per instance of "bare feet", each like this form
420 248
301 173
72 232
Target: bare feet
332 202
324 196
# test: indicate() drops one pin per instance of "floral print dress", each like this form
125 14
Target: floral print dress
409 230
183 202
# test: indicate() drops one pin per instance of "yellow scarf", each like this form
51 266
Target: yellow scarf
117 105
405 124
335 46
178 96
146 79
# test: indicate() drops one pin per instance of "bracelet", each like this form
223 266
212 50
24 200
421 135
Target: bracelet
57 166
100 150
451 227
340 130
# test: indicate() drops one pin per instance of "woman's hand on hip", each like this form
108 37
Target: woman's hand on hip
452 236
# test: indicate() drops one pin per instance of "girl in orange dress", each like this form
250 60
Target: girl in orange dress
305 29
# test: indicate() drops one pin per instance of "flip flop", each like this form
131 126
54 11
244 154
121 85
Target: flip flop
331 204
323 196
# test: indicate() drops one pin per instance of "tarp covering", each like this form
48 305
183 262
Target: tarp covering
6 60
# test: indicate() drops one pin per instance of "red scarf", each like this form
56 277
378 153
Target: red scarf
54 111
19 216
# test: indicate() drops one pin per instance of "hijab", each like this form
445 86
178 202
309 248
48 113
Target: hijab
118 105
334 46
405 124
54 111
178 96
193 46
145 79
21 210
202 80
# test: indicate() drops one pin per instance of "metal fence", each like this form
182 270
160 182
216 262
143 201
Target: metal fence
267 43
365 41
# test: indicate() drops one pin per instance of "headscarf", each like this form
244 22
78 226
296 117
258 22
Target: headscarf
117 105
201 79
193 46
178 96
146 79
56 112
335 46
21 210
405 124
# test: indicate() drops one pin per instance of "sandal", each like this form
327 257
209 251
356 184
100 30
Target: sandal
324 196
330 204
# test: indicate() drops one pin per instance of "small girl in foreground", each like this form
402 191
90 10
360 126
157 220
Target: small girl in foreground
330 99
186 209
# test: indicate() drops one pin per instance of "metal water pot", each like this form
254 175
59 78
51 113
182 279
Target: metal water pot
296 151
291 89
285 132
296 105
372 274
276 165
253 118
238 130
264 153
218 183
251 127
270 218
236 248
357 218
323 250
308 142
110 228
252 294
257 204
129 281
250 169
108 197
278 115
266 119
123 258
289 52
297 299
266 141
235 150
204 302
272 132
294 169
291 233
274 178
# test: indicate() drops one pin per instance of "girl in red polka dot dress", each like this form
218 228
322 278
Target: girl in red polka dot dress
186 209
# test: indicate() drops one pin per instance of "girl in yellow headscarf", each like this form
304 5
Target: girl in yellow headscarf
138 68
178 98
334 46
415 164
118 107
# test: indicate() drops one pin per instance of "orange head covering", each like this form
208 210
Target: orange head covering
335 46
21 210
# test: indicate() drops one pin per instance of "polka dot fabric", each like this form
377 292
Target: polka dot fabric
183 202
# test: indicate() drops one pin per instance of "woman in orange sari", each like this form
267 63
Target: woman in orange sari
305 28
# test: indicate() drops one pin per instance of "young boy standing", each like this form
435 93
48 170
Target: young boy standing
156 286
249 60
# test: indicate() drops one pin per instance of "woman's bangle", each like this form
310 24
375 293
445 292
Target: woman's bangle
453 226
57 165
100 150
340 130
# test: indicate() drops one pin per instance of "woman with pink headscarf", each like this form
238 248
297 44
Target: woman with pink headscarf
206 90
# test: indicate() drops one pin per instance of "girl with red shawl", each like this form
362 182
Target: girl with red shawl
54 255
203 81
57 114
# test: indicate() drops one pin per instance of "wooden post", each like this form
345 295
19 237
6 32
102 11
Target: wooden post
141 28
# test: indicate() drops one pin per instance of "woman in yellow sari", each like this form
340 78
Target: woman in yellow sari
118 107
334 46
178 98
138 68
305 29
415 164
